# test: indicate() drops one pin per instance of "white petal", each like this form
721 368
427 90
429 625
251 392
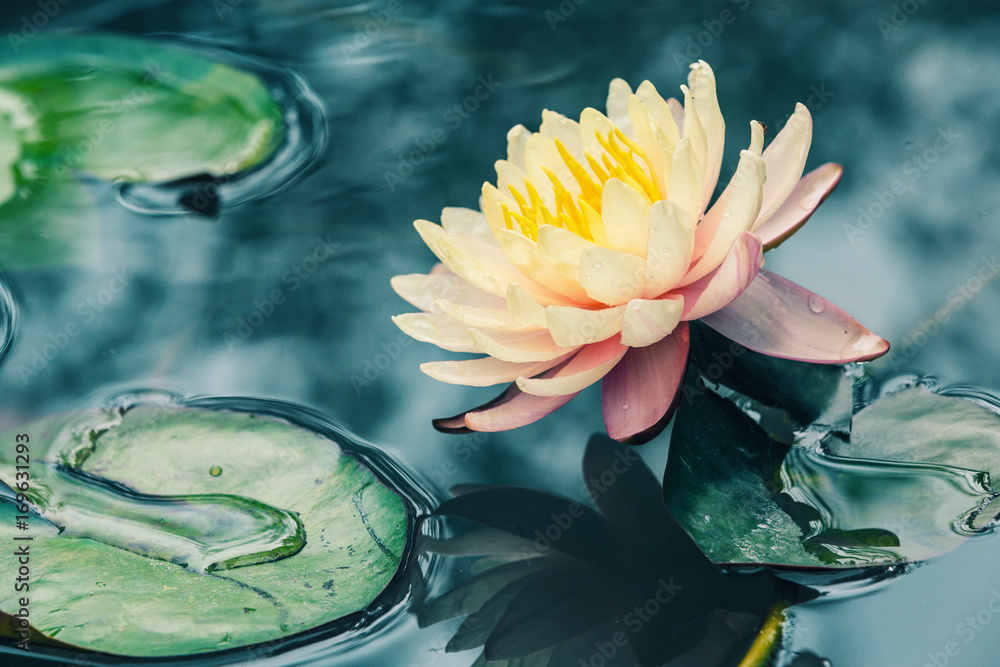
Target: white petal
612 277
576 326
510 175
671 242
564 247
649 321
626 217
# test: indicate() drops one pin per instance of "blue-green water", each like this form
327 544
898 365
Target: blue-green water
904 95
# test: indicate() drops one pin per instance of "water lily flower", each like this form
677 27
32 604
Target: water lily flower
594 249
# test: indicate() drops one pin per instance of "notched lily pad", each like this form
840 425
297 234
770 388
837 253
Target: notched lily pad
174 530
909 483
141 111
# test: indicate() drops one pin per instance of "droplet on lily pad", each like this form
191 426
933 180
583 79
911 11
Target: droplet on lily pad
306 528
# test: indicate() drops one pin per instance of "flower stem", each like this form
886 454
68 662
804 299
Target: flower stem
768 637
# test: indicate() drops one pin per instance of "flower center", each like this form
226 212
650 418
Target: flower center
622 158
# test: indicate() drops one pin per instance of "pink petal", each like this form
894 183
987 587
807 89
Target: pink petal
809 193
511 409
774 316
640 393
720 287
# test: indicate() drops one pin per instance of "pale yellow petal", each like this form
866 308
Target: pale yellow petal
516 138
659 110
457 220
577 326
422 290
618 93
539 348
557 126
510 175
485 371
612 277
492 200
541 155
686 180
437 329
694 131
524 254
649 321
592 123
523 307
626 218
483 318
741 211
564 247
785 158
644 130
589 365
671 243
701 81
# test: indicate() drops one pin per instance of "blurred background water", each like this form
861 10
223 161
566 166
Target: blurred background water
418 98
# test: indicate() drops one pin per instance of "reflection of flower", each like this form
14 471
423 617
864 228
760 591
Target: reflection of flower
562 583
595 249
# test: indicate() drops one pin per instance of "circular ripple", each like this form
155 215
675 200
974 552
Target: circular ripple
305 140
7 318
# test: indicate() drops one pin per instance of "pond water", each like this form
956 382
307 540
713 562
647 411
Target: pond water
284 294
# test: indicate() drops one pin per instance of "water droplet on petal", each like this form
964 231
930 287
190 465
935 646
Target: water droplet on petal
625 407
727 214
816 303
597 265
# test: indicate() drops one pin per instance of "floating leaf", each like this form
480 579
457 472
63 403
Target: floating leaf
125 488
746 499
809 392
141 111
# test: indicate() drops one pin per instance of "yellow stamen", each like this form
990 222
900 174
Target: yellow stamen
589 191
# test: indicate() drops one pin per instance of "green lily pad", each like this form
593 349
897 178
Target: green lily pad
173 530
140 111
890 494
